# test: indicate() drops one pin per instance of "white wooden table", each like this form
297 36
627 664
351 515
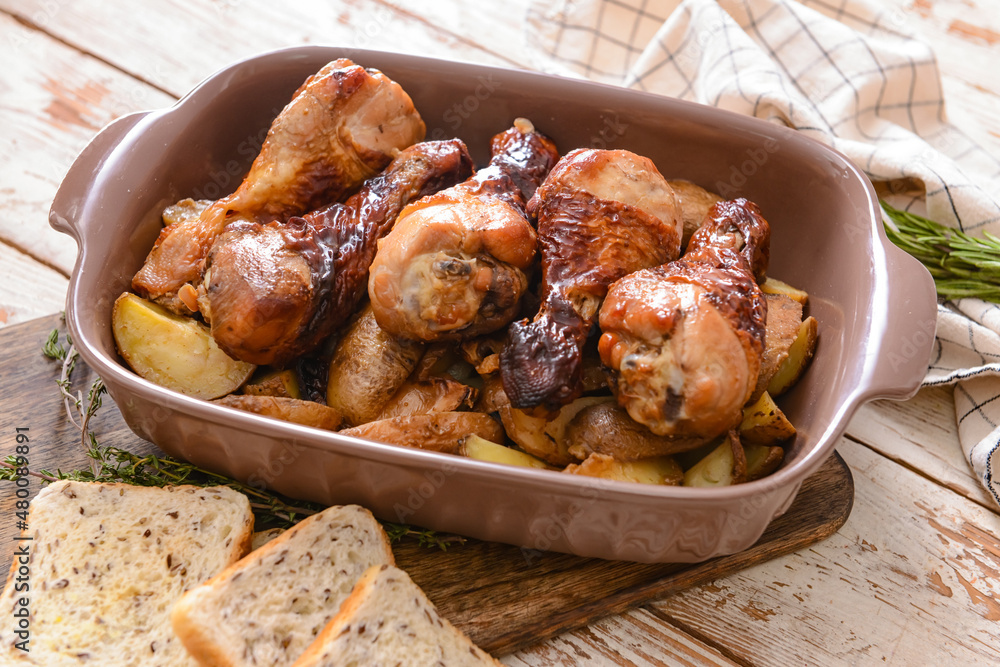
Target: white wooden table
914 575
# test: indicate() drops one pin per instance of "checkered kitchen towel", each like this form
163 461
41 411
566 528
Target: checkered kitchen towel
846 72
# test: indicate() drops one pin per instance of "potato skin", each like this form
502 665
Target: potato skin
436 431
799 355
287 409
173 351
607 429
367 368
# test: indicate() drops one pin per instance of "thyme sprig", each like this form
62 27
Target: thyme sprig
961 265
113 464
78 410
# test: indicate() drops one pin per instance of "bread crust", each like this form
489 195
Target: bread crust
208 643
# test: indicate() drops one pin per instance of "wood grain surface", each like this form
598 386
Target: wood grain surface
911 578
505 598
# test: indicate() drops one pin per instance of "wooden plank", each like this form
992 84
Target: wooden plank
28 289
912 578
921 434
178 43
502 598
55 101
635 638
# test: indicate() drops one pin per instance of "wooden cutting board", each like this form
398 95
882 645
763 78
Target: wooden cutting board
504 598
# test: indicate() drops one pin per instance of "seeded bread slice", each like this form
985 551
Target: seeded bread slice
388 620
107 562
266 609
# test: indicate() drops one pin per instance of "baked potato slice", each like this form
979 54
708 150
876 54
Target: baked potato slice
544 436
799 355
437 431
175 352
762 460
695 202
607 428
720 467
436 394
764 423
784 319
286 409
479 448
368 366
659 470
733 463
283 383
775 286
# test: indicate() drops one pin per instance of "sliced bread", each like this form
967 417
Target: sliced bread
106 563
266 609
388 620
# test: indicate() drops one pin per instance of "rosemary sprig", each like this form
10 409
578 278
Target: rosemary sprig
113 464
961 265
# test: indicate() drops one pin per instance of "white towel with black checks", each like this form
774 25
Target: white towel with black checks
846 72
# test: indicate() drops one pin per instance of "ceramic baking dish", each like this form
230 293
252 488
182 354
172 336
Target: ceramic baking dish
875 304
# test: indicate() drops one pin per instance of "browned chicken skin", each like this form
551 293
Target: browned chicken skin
455 264
273 292
602 214
343 125
683 341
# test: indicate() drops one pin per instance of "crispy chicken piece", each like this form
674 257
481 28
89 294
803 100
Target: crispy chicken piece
342 126
602 214
455 265
683 341
274 292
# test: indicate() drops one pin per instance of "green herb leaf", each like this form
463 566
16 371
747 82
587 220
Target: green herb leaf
52 349
961 265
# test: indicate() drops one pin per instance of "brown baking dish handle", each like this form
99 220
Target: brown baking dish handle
75 187
901 362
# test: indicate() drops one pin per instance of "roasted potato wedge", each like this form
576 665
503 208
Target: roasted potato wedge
294 410
175 352
607 428
799 355
368 366
775 286
438 394
283 383
762 460
437 431
734 463
764 423
695 202
492 396
721 467
476 447
784 319
185 209
543 436
659 470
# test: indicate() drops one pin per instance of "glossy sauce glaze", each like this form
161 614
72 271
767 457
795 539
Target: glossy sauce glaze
270 302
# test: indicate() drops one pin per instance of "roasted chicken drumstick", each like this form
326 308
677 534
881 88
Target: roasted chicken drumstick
455 264
273 292
602 214
683 341
342 126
